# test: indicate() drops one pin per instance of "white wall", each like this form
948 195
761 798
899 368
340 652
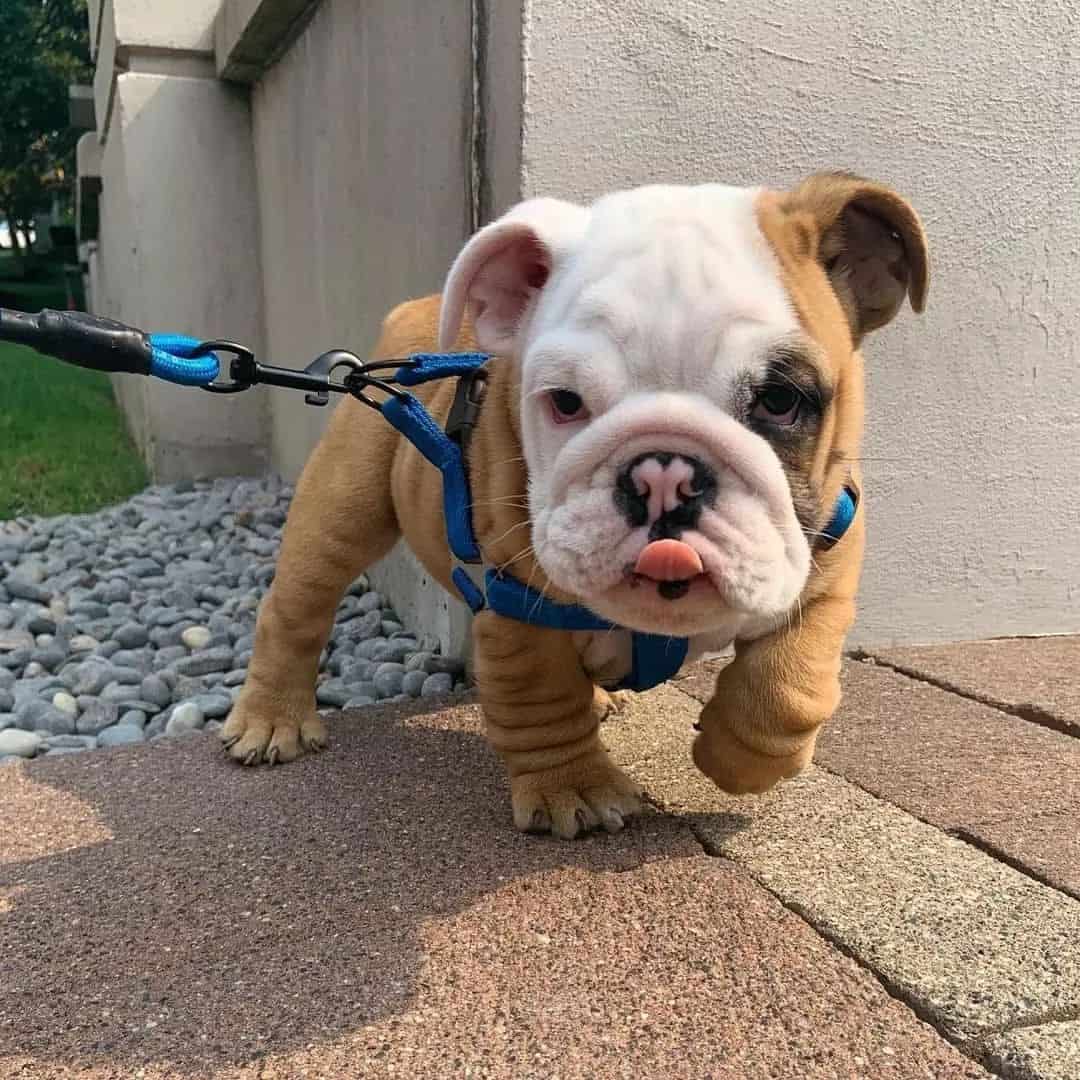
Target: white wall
970 109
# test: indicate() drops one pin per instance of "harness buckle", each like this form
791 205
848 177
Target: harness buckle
466 406
464 576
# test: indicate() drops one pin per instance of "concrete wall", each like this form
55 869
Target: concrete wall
363 150
362 155
971 455
178 247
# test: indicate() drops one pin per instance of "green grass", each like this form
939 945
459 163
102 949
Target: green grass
63 445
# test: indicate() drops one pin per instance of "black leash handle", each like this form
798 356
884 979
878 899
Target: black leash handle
77 338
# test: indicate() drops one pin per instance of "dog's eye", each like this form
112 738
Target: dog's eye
567 406
778 405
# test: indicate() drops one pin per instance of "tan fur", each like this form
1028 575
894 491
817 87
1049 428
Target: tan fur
762 723
364 486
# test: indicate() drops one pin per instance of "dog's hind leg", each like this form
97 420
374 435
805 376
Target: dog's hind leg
341 521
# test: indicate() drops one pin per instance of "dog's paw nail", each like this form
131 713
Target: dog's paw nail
229 742
582 820
272 756
540 822
251 757
613 821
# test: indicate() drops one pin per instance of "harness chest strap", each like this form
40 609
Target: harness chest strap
655 657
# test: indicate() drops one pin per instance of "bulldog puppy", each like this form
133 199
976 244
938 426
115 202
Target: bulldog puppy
675 403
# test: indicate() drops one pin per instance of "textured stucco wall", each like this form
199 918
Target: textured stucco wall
970 109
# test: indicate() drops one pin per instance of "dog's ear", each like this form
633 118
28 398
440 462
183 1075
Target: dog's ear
868 240
502 269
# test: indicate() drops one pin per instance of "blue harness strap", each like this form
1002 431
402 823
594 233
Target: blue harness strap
655 657
409 416
843 515
423 367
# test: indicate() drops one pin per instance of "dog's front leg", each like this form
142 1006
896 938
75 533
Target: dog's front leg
542 718
340 522
762 723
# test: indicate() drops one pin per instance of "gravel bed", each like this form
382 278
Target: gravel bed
137 622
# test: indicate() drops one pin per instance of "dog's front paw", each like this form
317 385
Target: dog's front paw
574 798
739 769
260 732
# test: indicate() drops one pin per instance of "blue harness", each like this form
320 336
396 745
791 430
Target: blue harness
655 657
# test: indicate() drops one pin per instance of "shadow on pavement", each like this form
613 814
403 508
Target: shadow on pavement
236 913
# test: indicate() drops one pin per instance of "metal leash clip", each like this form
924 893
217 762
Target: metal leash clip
318 378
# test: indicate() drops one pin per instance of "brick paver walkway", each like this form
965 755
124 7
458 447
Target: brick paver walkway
908 908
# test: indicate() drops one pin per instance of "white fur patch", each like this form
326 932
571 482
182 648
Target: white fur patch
660 311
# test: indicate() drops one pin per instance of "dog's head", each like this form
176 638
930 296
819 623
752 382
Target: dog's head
691 388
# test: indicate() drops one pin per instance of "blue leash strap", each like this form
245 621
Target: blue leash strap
182 360
100 344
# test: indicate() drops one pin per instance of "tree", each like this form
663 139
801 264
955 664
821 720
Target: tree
44 48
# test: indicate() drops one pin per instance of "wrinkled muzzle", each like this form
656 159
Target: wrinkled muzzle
667 515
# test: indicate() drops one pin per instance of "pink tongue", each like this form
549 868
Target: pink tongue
668 560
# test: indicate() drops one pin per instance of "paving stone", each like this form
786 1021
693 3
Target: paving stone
699 679
1046 1052
976 945
433 914
1047 845
965 767
1034 675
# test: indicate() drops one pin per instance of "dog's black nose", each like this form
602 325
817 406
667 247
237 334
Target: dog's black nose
664 491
